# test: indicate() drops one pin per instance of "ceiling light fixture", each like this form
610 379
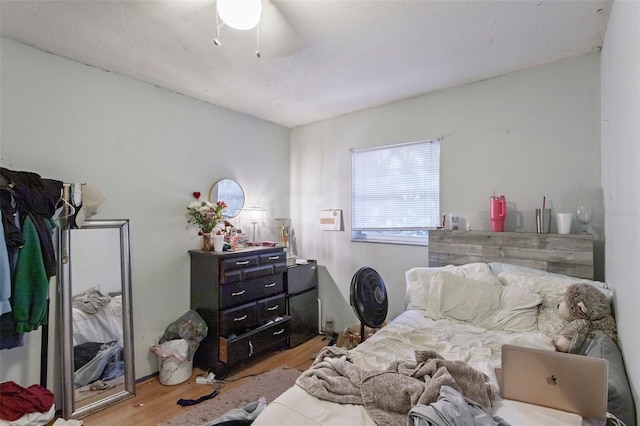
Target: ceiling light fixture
239 15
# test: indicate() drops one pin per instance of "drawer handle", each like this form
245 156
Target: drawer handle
269 285
245 262
242 318
275 333
250 348
238 293
274 257
273 308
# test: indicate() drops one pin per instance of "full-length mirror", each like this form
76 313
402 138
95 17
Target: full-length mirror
231 193
95 306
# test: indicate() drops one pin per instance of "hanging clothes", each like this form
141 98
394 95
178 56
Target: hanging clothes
5 274
9 338
28 202
31 283
33 193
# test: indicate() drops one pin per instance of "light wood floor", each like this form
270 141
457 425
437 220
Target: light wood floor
155 402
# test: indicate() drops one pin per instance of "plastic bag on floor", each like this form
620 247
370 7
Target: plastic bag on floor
178 348
190 327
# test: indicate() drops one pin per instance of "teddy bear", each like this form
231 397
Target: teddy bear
587 310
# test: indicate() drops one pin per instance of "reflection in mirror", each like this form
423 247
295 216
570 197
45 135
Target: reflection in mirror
97 340
231 193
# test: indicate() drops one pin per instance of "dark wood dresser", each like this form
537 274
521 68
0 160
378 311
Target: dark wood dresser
241 297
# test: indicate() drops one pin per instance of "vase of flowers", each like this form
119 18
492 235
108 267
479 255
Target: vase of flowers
207 242
208 218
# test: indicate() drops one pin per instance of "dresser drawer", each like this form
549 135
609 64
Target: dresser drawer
268 286
231 270
238 320
277 257
235 294
271 307
239 262
257 271
257 341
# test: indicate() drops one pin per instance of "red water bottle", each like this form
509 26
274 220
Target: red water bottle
498 213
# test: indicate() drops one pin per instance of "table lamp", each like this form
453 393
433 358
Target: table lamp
255 215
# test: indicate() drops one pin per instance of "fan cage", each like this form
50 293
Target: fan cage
369 298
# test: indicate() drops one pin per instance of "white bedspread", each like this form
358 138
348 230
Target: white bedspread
398 341
103 326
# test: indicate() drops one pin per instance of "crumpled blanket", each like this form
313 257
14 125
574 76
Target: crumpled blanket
244 415
90 301
389 395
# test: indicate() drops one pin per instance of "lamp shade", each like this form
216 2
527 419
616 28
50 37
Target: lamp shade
240 14
255 215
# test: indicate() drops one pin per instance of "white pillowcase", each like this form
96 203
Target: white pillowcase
417 280
518 310
497 267
552 289
452 296
470 293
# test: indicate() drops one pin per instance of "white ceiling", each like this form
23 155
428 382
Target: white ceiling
319 58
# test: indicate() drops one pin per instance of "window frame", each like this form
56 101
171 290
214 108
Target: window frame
414 235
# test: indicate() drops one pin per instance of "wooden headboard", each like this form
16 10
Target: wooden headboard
563 254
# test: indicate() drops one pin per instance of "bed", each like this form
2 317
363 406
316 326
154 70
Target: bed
97 343
462 313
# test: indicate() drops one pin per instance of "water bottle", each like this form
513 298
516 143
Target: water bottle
498 209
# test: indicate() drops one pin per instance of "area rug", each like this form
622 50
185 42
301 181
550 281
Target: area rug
270 385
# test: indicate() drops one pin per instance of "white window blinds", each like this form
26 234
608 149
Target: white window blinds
396 191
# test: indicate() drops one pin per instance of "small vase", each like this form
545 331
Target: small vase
218 243
207 242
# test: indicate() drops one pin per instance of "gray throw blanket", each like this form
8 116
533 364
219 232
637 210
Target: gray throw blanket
90 301
389 395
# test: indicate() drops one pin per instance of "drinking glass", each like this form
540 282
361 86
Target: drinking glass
584 214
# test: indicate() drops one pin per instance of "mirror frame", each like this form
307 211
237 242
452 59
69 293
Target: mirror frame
69 409
226 215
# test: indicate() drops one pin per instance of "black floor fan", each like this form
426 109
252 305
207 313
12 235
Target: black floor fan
368 298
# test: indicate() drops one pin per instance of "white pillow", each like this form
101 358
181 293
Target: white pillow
452 296
417 280
518 310
417 285
470 293
497 267
551 289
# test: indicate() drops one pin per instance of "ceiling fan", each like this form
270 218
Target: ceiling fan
271 28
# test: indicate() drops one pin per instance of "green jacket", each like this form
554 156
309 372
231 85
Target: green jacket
31 285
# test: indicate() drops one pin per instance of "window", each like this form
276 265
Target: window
395 192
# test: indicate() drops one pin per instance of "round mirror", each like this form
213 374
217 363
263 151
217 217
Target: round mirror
230 192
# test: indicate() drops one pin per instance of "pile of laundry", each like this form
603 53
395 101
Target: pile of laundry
33 405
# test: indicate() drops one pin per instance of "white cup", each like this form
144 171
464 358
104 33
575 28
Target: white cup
563 220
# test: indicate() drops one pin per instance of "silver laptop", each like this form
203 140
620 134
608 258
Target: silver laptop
567 382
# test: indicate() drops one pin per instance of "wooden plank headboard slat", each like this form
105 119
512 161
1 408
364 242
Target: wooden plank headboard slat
564 254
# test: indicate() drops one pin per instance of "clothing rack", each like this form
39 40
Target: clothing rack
44 350
44 328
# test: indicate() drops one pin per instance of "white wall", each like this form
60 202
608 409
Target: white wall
621 175
147 149
527 135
